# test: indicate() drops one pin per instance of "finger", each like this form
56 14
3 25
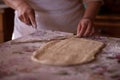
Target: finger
82 30
88 30
78 29
32 20
21 18
26 20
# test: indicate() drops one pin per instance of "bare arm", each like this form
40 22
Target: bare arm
92 9
25 12
15 3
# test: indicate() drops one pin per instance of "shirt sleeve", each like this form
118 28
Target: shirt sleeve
87 1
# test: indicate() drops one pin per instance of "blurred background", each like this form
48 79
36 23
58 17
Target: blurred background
6 22
107 22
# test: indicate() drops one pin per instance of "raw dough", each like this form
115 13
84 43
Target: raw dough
66 52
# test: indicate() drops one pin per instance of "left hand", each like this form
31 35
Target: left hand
85 27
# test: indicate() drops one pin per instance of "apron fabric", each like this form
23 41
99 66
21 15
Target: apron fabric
59 15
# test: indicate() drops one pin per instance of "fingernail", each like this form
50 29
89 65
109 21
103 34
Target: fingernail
77 35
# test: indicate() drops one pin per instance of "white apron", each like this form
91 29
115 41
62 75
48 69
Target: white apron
60 15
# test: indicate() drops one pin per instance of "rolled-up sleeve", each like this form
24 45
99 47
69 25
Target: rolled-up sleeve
87 1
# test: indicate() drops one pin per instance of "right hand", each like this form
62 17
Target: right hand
85 27
26 14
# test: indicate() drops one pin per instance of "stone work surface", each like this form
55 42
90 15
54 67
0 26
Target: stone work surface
16 63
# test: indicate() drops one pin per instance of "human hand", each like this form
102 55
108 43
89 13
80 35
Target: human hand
85 27
26 14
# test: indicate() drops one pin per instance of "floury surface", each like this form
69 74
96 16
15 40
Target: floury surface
16 63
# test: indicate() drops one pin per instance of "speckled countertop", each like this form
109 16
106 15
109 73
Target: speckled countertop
16 63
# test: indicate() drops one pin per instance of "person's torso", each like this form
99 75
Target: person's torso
61 15
55 6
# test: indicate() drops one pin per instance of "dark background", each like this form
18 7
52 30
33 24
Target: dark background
110 7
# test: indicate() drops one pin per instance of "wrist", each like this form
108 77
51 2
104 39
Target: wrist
22 5
88 18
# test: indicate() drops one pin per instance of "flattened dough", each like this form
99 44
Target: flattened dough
66 52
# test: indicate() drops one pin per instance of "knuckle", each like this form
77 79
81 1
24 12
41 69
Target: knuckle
30 11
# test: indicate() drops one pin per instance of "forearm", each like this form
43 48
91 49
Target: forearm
25 12
92 9
15 4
